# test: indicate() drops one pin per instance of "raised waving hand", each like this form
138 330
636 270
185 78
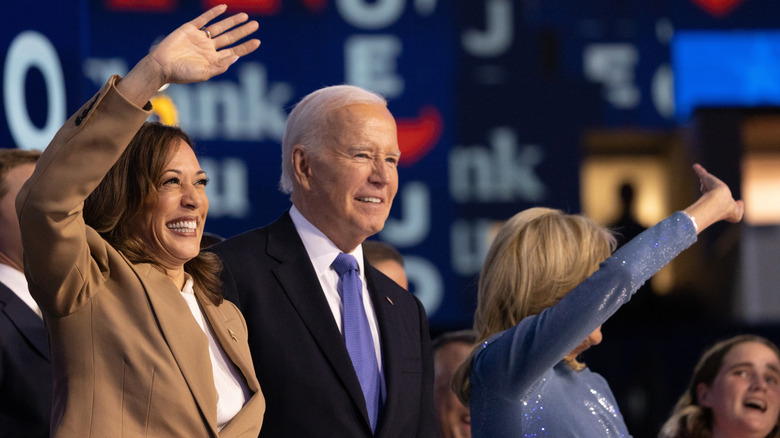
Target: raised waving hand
195 52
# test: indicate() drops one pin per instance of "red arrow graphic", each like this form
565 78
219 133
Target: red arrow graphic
418 136
718 8
264 7
142 5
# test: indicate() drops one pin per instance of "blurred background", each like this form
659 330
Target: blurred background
598 107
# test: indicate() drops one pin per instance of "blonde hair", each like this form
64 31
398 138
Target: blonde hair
689 418
537 258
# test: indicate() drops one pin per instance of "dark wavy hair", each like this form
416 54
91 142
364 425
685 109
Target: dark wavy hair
126 191
12 158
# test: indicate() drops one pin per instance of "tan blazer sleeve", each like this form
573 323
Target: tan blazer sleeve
58 259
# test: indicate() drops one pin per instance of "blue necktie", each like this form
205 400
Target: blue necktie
357 333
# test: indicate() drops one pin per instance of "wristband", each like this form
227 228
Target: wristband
693 220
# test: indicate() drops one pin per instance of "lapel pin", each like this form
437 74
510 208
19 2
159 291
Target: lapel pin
389 300
233 335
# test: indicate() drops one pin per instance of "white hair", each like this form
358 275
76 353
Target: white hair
307 123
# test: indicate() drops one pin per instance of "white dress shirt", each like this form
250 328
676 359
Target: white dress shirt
16 281
322 252
232 392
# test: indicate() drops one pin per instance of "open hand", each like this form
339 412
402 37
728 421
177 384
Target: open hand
197 51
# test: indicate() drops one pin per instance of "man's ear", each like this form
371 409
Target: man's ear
301 166
702 393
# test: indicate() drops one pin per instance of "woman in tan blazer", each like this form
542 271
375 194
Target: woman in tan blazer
142 343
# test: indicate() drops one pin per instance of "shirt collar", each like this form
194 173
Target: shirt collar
188 285
322 251
16 281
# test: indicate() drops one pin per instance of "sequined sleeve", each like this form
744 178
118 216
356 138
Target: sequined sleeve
511 362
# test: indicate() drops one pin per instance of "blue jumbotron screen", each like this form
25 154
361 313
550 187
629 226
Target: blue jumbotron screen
725 68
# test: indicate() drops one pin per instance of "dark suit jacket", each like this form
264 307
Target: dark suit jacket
25 370
300 356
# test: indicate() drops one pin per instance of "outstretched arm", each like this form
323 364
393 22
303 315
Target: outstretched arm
188 54
716 202
66 261
512 363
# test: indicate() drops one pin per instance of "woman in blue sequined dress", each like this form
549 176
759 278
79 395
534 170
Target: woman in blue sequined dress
543 296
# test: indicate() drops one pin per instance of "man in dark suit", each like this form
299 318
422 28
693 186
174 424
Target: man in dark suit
339 158
25 364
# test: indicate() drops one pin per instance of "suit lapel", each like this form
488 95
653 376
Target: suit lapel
184 337
392 349
26 321
299 281
227 333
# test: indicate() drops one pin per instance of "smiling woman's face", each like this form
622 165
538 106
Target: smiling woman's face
745 395
172 224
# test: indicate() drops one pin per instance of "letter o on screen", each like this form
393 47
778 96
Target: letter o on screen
31 49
